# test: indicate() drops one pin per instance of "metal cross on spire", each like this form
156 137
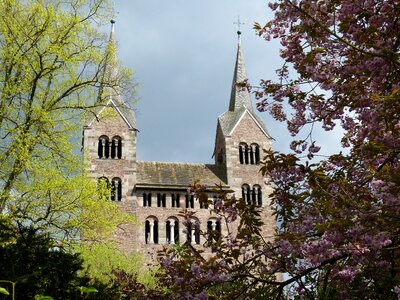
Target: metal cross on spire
238 24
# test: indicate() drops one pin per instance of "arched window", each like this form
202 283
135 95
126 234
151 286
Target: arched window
244 153
193 231
246 193
189 201
161 200
146 199
103 187
116 147
172 230
103 149
255 154
214 229
116 189
249 154
151 230
175 199
257 195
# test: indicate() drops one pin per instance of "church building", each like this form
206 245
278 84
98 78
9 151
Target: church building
155 192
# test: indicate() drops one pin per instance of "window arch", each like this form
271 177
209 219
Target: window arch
249 154
116 147
255 154
116 189
193 231
246 193
172 230
151 230
103 149
257 195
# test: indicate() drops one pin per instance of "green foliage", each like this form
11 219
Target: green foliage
40 297
101 259
4 291
52 67
35 264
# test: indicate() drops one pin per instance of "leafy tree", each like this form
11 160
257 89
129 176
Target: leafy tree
338 215
52 67
31 260
53 75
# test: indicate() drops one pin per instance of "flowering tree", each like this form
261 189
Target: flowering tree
338 215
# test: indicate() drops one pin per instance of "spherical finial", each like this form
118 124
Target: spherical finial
112 21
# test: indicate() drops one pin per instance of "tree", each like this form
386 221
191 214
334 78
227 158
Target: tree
53 63
30 259
338 215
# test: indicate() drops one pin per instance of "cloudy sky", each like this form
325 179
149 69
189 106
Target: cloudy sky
183 53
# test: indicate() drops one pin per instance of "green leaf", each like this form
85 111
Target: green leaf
4 291
41 297
84 289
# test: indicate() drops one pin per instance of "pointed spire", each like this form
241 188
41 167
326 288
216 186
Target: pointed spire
111 68
109 91
239 97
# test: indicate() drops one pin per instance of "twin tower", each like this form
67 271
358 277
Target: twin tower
155 192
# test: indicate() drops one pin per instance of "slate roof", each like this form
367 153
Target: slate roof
167 174
229 119
240 100
239 96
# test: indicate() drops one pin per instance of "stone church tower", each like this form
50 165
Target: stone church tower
155 191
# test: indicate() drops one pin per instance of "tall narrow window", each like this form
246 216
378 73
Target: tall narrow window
116 189
193 232
246 154
146 199
116 147
189 201
257 195
151 231
175 199
246 193
214 229
257 154
172 230
251 155
103 150
161 200
241 154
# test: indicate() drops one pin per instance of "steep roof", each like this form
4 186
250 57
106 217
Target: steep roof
112 94
240 101
229 119
177 175
239 96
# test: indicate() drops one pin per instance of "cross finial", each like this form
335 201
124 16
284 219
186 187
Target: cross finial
238 24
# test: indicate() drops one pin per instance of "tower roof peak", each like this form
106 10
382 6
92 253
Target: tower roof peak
240 96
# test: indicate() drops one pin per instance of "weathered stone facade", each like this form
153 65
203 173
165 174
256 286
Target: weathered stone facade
155 192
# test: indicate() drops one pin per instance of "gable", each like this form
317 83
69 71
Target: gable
103 111
230 120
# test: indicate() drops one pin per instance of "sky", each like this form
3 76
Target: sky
182 54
